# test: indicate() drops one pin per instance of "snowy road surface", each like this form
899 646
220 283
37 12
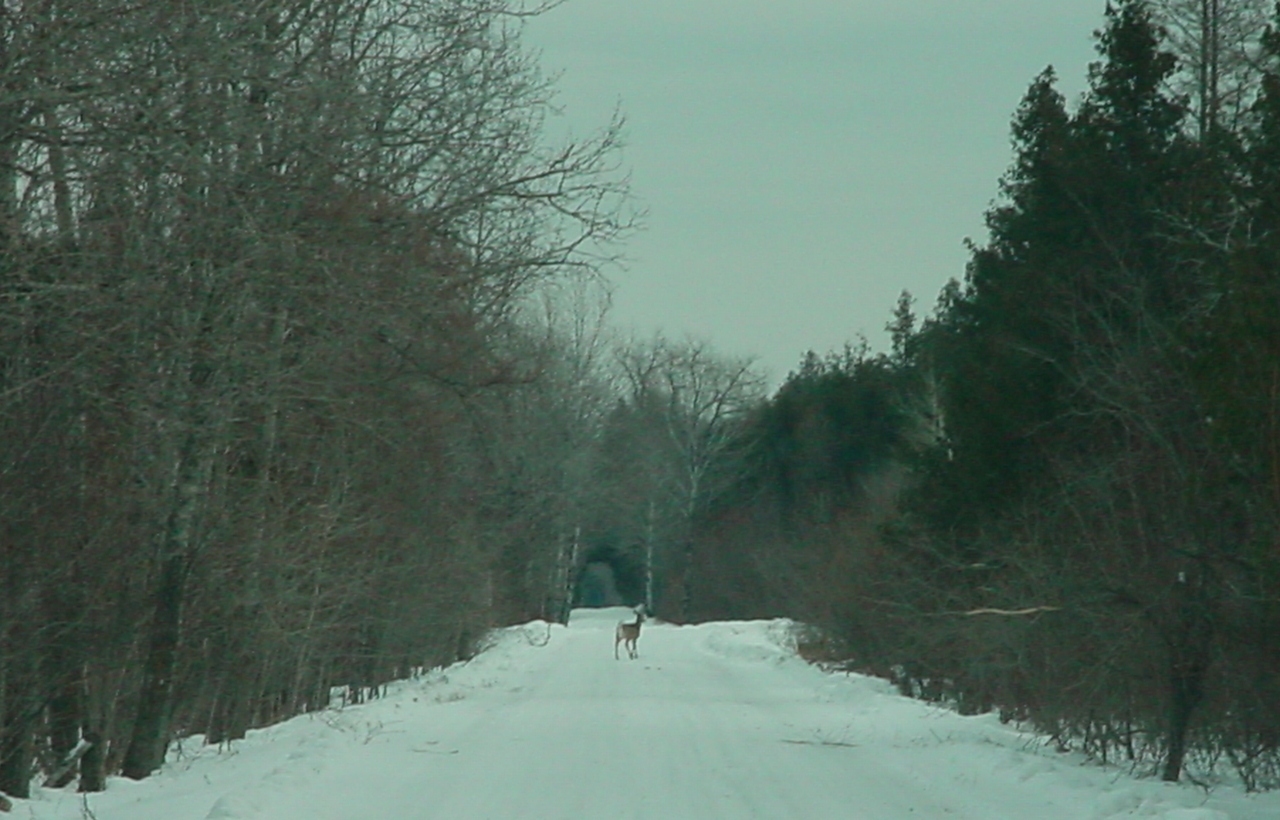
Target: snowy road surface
712 721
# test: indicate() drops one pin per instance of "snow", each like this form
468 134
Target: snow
719 720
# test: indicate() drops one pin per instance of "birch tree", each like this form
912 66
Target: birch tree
694 401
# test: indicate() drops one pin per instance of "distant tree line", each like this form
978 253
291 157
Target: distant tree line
1059 495
278 412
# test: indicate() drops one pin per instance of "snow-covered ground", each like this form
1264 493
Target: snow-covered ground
713 721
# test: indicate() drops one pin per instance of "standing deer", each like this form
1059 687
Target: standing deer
627 634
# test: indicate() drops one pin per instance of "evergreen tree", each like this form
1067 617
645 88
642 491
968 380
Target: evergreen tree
831 424
1077 248
1238 350
1127 99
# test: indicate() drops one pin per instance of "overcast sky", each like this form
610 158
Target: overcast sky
803 162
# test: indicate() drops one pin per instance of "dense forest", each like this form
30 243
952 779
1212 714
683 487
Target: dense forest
291 376
306 382
1058 495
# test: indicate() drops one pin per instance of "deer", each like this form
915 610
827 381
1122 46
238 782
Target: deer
627 634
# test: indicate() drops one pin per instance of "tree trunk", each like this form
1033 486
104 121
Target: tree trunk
93 766
17 752
1188 663
58 169
11 125
150 736
151 726
64 671
19 700
65 713
1188 691
16 757
648 559
686 580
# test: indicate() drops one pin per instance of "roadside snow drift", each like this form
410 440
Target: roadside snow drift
713 721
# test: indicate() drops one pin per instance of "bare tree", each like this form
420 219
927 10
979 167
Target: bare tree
1217 43
695 400
259 264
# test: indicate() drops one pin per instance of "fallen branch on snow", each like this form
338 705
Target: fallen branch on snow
1031 610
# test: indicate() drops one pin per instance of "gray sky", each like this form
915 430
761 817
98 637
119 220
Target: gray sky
803 162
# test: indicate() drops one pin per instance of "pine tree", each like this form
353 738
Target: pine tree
903 327
1127 100
1239 351
991 344
1077 250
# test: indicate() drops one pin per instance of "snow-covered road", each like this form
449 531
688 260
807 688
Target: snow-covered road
712 721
